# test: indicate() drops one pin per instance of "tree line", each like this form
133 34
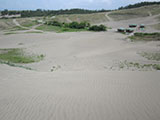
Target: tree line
40 12
139 5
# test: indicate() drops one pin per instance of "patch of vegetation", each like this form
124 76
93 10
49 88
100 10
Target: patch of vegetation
54 23
27 22
70 27
10 33
139 5
76 25
58 29
16 55
145 37
73 25
55 68
17 28
97 28
15 65
34 32
132 65
151 56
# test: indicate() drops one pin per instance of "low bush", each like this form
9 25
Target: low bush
54 23
97 28
76 25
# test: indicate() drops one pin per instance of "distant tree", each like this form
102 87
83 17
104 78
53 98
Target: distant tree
40 12
139 5
5 12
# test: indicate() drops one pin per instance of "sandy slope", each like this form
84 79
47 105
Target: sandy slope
27 95
82 87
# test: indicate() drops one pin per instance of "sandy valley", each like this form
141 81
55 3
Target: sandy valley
83 76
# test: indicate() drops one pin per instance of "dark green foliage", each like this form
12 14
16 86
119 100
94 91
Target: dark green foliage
73 25
139 5
77 25
97 28
54 23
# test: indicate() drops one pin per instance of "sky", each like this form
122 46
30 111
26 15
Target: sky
65 4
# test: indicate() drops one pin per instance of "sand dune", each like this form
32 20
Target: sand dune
83 86
78 95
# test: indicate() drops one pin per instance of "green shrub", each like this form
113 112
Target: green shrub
97 28
54 23
74 25
156 66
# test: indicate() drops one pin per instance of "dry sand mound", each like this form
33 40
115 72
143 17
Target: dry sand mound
78 95
81 86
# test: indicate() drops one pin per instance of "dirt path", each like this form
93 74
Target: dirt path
17 24
107 16
150 14
28 29
68 20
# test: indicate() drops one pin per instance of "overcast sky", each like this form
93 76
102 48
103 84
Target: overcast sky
64 4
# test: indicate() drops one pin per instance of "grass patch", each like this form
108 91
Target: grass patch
58 29
18 28
34 32
10 33
29 24
18 56
135 65
26 22
145 37
15 65
151 56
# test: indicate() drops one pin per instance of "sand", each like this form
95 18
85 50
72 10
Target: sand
82 85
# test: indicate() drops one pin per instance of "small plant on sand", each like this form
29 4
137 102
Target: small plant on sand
138 66
151 56
55 68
